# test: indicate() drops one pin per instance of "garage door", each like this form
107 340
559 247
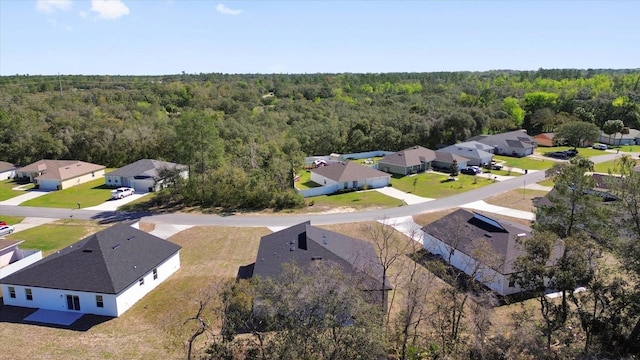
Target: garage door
142 186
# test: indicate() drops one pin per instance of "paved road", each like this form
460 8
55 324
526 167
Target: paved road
241 220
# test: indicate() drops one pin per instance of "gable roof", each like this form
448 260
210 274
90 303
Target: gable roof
106 262
465 231
470 152
513 139
448 157
348 171
146 168
60 169
5 166
412 156
304 243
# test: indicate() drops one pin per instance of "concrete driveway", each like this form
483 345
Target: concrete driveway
410 199
31 194
30 222
112 205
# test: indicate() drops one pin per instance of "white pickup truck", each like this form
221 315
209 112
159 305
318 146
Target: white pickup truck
122 192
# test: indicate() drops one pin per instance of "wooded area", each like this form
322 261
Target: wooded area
242 135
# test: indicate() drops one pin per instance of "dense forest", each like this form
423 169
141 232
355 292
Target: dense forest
242 135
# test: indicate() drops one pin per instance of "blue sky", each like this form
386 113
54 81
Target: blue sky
153 37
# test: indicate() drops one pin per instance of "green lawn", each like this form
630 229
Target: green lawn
12 220
305 180
88 194
584 152
52 237
546 182
6 192
627 148
355 199
524 162
435 185
604 167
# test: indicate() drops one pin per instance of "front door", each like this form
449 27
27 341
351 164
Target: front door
73 302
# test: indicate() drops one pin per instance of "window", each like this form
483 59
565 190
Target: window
155 274
73 302
99 301
141 282
12 292
28 294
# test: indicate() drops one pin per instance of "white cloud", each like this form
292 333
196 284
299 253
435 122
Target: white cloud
226 11
51 5
109 9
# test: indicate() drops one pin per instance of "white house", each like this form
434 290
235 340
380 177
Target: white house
12 258
627 137
145 175
480 246
350 175
103 274
60 174
7 170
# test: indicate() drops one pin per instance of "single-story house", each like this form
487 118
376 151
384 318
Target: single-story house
472 150
7 170
60 174
408 161
12 258
350 175
145 175
104 274
305 244
544 139
444 160
463 236
514 143
627 137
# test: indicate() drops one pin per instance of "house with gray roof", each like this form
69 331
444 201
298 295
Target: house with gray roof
60 174
146 175
7 170
514 143
104 274
627 137
481 246
349 175
444 160
408 161
476 153
305 244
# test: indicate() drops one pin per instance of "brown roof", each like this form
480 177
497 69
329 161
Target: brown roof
4 166
5 243
348 171
412 156
60 169
466 231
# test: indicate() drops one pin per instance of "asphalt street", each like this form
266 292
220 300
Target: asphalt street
246 220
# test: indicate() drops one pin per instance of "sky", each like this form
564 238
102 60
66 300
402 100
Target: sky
162 37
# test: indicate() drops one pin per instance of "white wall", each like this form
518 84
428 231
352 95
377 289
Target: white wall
82 179
9 174
48 184
21 259
132 294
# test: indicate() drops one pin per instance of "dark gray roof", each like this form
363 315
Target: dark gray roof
447 157
470 152
304 243
513 139
146 168
465 231
106 262
349 171
412 156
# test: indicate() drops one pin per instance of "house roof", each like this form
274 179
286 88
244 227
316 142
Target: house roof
468 231
60 169
106 262
470 151
512 139
348 171
448 157
146 168
633 134
412 156
304 243
7 243
5 166
548 136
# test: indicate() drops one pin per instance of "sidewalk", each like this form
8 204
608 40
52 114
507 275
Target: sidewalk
409 199
500 210
31 222
32 194
166 231
113 205
407 226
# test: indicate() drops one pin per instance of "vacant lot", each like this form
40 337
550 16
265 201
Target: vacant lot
520 199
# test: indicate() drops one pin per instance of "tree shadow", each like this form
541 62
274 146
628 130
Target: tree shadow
109 217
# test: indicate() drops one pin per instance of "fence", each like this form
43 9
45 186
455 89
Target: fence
317 191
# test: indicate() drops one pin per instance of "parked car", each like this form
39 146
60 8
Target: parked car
600 146
6 230
558 155
494 166
2 223
571 152
122 192
471 170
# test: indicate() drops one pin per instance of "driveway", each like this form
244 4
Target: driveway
30 222
32 194
112 205
483 206
409 199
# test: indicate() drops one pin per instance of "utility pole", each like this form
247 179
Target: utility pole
60 82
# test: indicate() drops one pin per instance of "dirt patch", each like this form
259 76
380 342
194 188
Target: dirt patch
147 227
517 199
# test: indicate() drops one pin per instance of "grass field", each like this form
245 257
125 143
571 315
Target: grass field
435 185
626 148
520 199
528 163
611 165
54 236
584 152
88 194
353 200
305 180
11 220
6 192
